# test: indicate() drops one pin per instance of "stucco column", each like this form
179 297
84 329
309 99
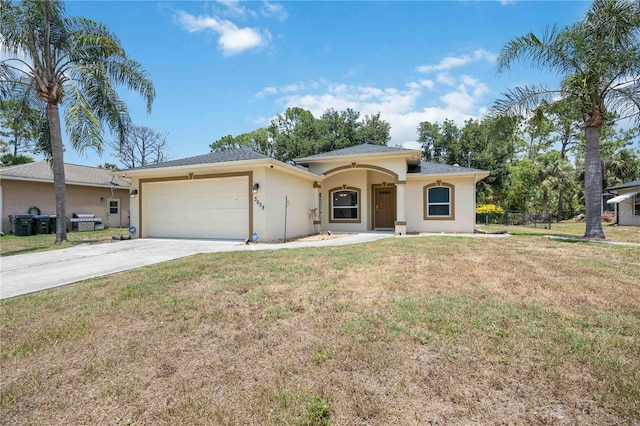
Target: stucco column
400 223
317 220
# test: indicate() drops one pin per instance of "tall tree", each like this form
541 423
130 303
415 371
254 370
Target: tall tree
294 134
19 125
373 130
142 145
297 133
598 59
259 140
75 63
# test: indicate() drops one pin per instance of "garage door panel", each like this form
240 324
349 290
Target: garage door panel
203 208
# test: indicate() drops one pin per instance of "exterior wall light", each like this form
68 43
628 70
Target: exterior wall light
133 193
256 186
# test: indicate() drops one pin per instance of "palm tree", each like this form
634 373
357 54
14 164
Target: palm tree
598 60
74 63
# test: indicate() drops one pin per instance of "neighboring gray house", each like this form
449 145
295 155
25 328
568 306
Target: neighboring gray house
627 200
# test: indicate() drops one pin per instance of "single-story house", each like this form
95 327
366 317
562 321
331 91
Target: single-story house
627 200
28 188
241 194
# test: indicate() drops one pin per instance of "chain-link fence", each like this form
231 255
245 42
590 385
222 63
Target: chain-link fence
514 217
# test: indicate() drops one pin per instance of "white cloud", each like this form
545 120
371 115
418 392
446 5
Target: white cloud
461 99
274 10
233 8
446 78
456 97
266 92
233 40
450 62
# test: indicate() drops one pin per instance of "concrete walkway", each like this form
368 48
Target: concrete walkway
29 273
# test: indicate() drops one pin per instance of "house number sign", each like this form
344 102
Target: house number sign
258 203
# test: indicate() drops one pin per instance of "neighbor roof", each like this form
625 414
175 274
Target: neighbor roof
362 149
429 168
74 174
235 154
625 185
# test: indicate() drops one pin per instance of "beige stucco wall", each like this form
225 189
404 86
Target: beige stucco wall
626 214
397 165
464 206
267 205
19 196
276 188
354 178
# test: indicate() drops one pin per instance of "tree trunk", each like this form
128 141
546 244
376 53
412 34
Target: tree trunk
560 205
57 150
593 183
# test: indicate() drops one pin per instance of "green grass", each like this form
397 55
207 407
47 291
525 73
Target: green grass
11 245
400 331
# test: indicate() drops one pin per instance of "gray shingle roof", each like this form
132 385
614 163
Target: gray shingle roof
235 154
429 168
362 149
625 185
74 174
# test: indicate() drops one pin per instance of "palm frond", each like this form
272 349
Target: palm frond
96 46
624 100
83 127
520 101
104 100
130 73
549 52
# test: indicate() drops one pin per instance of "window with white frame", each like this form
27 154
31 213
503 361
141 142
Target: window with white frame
439 201
345 205
636 206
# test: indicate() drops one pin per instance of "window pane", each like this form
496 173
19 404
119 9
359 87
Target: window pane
348 213
113 210
439 195
439 210
345 198
345 205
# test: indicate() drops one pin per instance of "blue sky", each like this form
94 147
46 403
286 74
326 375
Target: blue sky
229 67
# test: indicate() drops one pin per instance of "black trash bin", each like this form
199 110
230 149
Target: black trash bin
41 224
21 225
52 224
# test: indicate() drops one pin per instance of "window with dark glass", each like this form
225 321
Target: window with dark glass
344 205
439 201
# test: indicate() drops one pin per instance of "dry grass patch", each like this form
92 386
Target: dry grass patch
626 234
401 331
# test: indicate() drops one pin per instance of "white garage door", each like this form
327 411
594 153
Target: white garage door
201 208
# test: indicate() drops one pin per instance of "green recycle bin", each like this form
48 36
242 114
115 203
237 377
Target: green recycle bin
41 224
21 225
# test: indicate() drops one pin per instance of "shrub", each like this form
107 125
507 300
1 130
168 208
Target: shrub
490 209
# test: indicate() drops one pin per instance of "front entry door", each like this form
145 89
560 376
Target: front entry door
384 207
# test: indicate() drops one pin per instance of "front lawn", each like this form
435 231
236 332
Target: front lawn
12 245
628 234
422 330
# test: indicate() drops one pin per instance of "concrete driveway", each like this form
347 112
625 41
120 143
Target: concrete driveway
29 273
